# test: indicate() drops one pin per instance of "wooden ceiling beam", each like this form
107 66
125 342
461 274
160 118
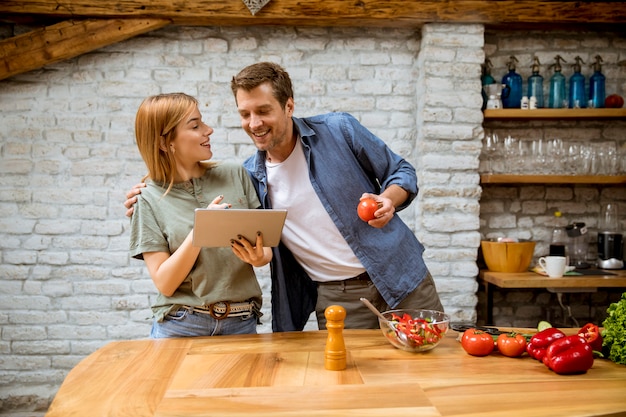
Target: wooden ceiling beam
93 24
390 13
66 40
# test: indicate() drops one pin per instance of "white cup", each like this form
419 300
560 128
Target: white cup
553 265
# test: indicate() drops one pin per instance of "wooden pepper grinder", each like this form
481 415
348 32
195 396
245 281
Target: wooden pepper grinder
335 352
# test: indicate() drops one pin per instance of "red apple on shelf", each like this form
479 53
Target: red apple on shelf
614 101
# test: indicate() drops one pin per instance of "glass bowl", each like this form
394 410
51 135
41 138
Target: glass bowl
414 330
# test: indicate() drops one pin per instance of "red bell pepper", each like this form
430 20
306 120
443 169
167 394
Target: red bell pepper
569 355
539 342
591 333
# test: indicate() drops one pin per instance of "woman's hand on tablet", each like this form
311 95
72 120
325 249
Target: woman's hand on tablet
256 255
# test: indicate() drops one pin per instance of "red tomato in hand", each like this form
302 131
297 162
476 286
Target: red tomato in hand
477 343
511 344
366 209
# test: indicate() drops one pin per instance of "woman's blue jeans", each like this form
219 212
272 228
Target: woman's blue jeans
186 323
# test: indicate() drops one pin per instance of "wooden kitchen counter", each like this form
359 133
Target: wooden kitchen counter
282 374
614 278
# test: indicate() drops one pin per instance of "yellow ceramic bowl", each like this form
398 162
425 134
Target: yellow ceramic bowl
507 256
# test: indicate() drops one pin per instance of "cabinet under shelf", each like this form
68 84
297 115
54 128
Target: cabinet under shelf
492 114
552 179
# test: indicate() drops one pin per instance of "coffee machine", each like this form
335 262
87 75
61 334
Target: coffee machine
610 239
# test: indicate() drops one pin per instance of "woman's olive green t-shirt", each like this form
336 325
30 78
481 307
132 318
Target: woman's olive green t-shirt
161 224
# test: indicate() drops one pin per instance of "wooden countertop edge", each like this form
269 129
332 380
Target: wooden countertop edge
534 280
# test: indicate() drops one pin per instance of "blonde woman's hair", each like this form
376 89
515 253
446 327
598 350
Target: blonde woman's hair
155 129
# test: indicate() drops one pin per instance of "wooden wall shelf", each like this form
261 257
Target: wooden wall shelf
552 179
555 114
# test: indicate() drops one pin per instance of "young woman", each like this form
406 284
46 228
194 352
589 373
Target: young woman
202 291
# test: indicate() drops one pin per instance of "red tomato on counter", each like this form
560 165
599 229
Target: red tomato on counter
511 344
366 209
477 343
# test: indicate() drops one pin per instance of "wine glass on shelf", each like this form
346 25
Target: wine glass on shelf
537 161
589 158
491 150
621 159
556 156
610 163
524 162
575 160
512 151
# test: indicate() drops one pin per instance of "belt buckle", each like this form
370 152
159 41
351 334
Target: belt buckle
222 316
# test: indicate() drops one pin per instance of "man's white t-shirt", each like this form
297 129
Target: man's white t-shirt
309 232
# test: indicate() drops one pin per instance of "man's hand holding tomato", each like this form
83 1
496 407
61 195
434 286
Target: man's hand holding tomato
387 201
376 210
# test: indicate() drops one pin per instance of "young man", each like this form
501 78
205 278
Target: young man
319 168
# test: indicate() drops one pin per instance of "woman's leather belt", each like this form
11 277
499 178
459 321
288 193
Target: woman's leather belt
223 309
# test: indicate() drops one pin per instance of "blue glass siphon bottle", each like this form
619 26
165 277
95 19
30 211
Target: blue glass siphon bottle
577 86
514 81
597 85
535 83
557 85
486 79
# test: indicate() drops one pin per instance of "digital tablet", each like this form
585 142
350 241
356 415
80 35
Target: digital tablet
216 228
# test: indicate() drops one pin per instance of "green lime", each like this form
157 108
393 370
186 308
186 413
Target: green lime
543 325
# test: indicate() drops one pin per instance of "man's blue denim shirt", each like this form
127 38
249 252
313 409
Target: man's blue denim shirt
345 160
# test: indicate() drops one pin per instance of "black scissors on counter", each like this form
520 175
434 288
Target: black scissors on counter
463 327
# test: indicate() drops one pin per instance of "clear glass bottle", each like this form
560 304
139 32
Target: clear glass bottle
514 81
535 83
597 85
557 85
558 241
577 87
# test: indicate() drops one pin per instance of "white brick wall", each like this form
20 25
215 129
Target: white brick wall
68 156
